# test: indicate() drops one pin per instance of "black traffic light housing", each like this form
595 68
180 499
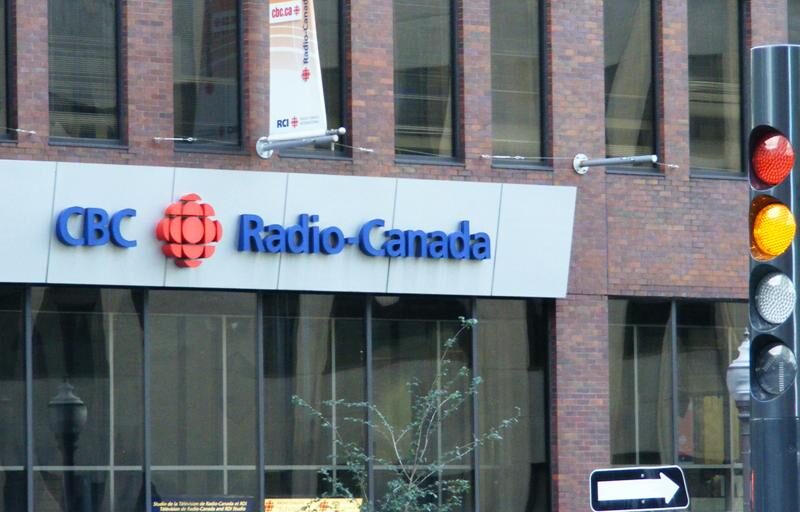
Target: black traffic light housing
775 402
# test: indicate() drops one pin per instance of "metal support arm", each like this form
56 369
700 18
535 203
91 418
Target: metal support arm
581 162
265 148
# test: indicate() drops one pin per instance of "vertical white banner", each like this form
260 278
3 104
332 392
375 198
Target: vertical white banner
296 102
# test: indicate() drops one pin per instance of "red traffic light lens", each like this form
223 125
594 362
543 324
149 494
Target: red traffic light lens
773 158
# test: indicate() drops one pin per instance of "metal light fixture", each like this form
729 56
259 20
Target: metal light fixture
67 414
738 381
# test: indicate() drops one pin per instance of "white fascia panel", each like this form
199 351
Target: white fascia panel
231 194
440 206
346 202
27 208
534 241
112 188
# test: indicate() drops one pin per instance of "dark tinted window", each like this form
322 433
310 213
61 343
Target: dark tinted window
423 78
516 86
88 409
12 402
629 77
84 99
714 85
206 70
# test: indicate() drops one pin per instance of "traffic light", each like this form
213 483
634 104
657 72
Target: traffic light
774 180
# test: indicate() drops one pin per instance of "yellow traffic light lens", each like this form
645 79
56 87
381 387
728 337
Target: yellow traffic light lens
772 231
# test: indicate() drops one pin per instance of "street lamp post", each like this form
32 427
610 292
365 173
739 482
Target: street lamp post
67 415
738 381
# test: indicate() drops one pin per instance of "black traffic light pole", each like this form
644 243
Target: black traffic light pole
775 420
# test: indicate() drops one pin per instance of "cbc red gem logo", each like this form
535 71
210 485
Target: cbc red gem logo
305 74
187 231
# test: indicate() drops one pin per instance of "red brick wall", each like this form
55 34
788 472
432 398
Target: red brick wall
669 234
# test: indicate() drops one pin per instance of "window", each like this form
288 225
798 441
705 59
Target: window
409 335
13 481
87 346
512 360
155 394
423 78
669 400
5 111
715 117
794 21
313 349
629 77
330 37
203 376
516 79
206 71
84 84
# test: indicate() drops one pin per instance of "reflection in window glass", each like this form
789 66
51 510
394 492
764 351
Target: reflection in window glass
313 349
87 346
4 68
629 77
84 100
329 35
794 21
206 70
714 85
13 484
649 409
516 86
708 337
640 368
408 339
512 347
423 78
383 477
203 382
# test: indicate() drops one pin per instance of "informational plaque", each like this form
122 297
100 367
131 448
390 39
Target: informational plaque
312 505
204 504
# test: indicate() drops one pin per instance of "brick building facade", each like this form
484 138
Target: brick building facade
639 234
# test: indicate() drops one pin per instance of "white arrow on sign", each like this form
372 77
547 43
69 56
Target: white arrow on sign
640 489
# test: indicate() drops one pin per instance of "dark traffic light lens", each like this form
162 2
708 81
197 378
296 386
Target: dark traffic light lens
775 368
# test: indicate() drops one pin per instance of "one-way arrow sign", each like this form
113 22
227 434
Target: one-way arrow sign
643 488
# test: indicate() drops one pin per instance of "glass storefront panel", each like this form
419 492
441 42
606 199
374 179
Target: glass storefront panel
89 372
709 334
203 390
87 397
695 341
640 368
411 359
714 489
437 486
512 354
314 348
13 484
